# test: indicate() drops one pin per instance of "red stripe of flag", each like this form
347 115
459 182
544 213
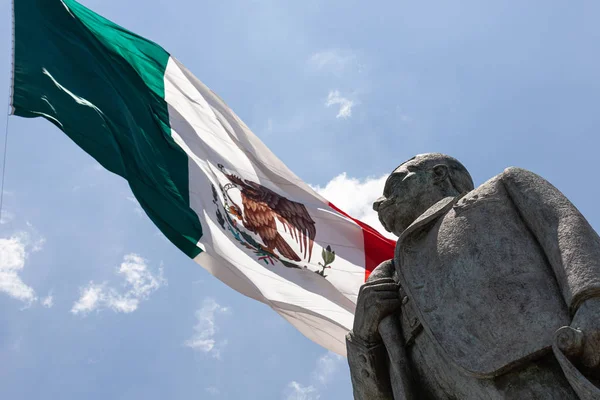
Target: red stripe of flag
377 247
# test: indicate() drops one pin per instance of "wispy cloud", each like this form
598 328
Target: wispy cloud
213 391
48 301
327 365
139 284
345 105
332 60
297 391
325 368
356 197
204 339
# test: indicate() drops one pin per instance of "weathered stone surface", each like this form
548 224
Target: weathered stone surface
481 282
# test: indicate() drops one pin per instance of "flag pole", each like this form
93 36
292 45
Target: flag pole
12 67
10 104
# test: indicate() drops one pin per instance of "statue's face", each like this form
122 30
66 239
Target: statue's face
409 191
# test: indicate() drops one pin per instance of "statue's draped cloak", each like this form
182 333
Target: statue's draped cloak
484 276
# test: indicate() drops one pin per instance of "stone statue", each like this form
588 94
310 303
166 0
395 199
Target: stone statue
493 293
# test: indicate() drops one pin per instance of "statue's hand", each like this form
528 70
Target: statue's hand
376 300
587 320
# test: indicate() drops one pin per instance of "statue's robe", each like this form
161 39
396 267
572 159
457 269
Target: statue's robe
486 281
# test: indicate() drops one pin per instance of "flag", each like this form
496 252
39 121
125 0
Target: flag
204 179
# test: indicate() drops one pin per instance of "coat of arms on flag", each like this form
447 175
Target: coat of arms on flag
264 220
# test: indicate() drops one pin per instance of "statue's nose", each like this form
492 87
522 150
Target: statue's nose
377 203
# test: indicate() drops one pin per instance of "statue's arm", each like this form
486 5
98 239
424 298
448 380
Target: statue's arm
367 355
570 243
368 369
573 249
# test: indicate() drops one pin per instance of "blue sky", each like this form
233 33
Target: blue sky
342 92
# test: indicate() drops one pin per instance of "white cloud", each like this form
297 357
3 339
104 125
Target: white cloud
203 339
356 197
325 368
121 303
327 365
12 260
345 110
296 391
137 276
333 60
139 284
48 301
90 299
13 254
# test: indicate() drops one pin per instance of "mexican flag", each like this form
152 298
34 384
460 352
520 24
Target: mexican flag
206 181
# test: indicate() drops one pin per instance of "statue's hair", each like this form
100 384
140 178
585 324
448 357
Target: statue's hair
458 174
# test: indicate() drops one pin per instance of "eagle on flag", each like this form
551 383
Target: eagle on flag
262 207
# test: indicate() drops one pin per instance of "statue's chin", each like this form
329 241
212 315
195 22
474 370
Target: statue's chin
393 223
400 224
386 223
392 227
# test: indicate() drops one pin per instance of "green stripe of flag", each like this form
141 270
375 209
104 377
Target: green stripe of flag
104 87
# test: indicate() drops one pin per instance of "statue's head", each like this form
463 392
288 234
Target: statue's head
416 185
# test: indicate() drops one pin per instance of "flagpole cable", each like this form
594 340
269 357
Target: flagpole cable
9 108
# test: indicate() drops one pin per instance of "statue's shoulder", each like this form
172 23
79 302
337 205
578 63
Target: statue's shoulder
518 174
514 177
518 187
522 180
499 188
